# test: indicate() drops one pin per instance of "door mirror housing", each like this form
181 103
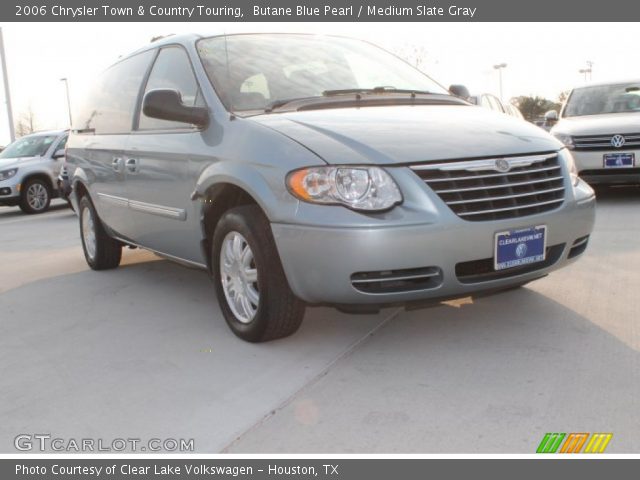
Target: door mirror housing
167 105
459 91
58 154
551 116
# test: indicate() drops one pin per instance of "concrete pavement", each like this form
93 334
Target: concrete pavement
142 351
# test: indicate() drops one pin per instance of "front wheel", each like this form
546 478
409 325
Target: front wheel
251 286
35 196
100 250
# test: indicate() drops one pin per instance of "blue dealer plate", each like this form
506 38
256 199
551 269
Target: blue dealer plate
618 160
515 248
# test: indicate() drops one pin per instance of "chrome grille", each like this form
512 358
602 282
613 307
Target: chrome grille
603 142
477 191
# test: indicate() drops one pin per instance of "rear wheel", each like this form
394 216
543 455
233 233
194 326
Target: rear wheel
100 250
251 286
35 196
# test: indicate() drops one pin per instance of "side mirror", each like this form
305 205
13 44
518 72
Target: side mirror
459 91
551 117
167 105
58 154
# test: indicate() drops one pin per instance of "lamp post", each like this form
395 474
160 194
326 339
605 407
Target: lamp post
7 93
66 85
500 67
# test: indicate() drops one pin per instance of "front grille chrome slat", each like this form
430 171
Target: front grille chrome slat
495 210
504 185
603 142
481 190
506 197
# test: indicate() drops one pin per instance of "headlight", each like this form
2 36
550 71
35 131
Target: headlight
565 139
359 188
6 174
571 166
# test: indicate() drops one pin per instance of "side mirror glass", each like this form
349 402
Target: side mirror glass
167 105
58 154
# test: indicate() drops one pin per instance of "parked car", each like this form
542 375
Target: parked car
316 170
489 101
512 110
29 169
600 123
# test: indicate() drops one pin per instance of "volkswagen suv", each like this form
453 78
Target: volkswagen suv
600 123
29 168
314 170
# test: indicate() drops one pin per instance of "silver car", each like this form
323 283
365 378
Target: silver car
600 123
29 169
312 170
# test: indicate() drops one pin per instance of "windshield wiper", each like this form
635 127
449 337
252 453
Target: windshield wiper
346 91
281 102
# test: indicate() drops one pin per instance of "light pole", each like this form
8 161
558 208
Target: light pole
500 67
66 85
7 93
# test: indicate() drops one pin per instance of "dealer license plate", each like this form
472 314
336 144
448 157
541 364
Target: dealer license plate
618 160
523 246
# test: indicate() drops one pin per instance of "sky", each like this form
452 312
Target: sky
542 58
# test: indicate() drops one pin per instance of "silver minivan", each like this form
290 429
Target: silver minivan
316 170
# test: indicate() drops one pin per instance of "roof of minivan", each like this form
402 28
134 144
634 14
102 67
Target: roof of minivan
168 40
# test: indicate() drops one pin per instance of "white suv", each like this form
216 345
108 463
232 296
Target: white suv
29 169
601 124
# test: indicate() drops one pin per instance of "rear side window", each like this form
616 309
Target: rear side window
111 104
172 70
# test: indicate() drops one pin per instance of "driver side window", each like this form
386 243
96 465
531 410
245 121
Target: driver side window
172 70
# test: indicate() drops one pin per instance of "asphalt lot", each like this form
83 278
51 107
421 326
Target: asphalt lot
142 351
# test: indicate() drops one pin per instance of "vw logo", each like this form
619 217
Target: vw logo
502 165
521 250
617 141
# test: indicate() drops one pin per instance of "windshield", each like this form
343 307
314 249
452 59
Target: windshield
31 146
250 72
620 98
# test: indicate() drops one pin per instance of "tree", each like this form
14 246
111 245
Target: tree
534 107
26 123
563 96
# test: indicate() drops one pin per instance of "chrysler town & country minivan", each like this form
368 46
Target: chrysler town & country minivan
316 170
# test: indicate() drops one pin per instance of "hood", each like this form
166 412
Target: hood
6 163
610 123
408 134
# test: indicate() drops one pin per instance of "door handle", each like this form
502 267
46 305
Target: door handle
116 164
132 165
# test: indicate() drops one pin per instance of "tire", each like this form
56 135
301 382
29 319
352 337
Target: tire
35 196
278 312
100 250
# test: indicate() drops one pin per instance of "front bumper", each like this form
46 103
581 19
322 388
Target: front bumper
591 167
10 190
320 262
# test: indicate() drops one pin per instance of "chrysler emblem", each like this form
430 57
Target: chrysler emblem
617 141
502 165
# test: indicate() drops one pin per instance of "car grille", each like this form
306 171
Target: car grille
477 190
603 142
